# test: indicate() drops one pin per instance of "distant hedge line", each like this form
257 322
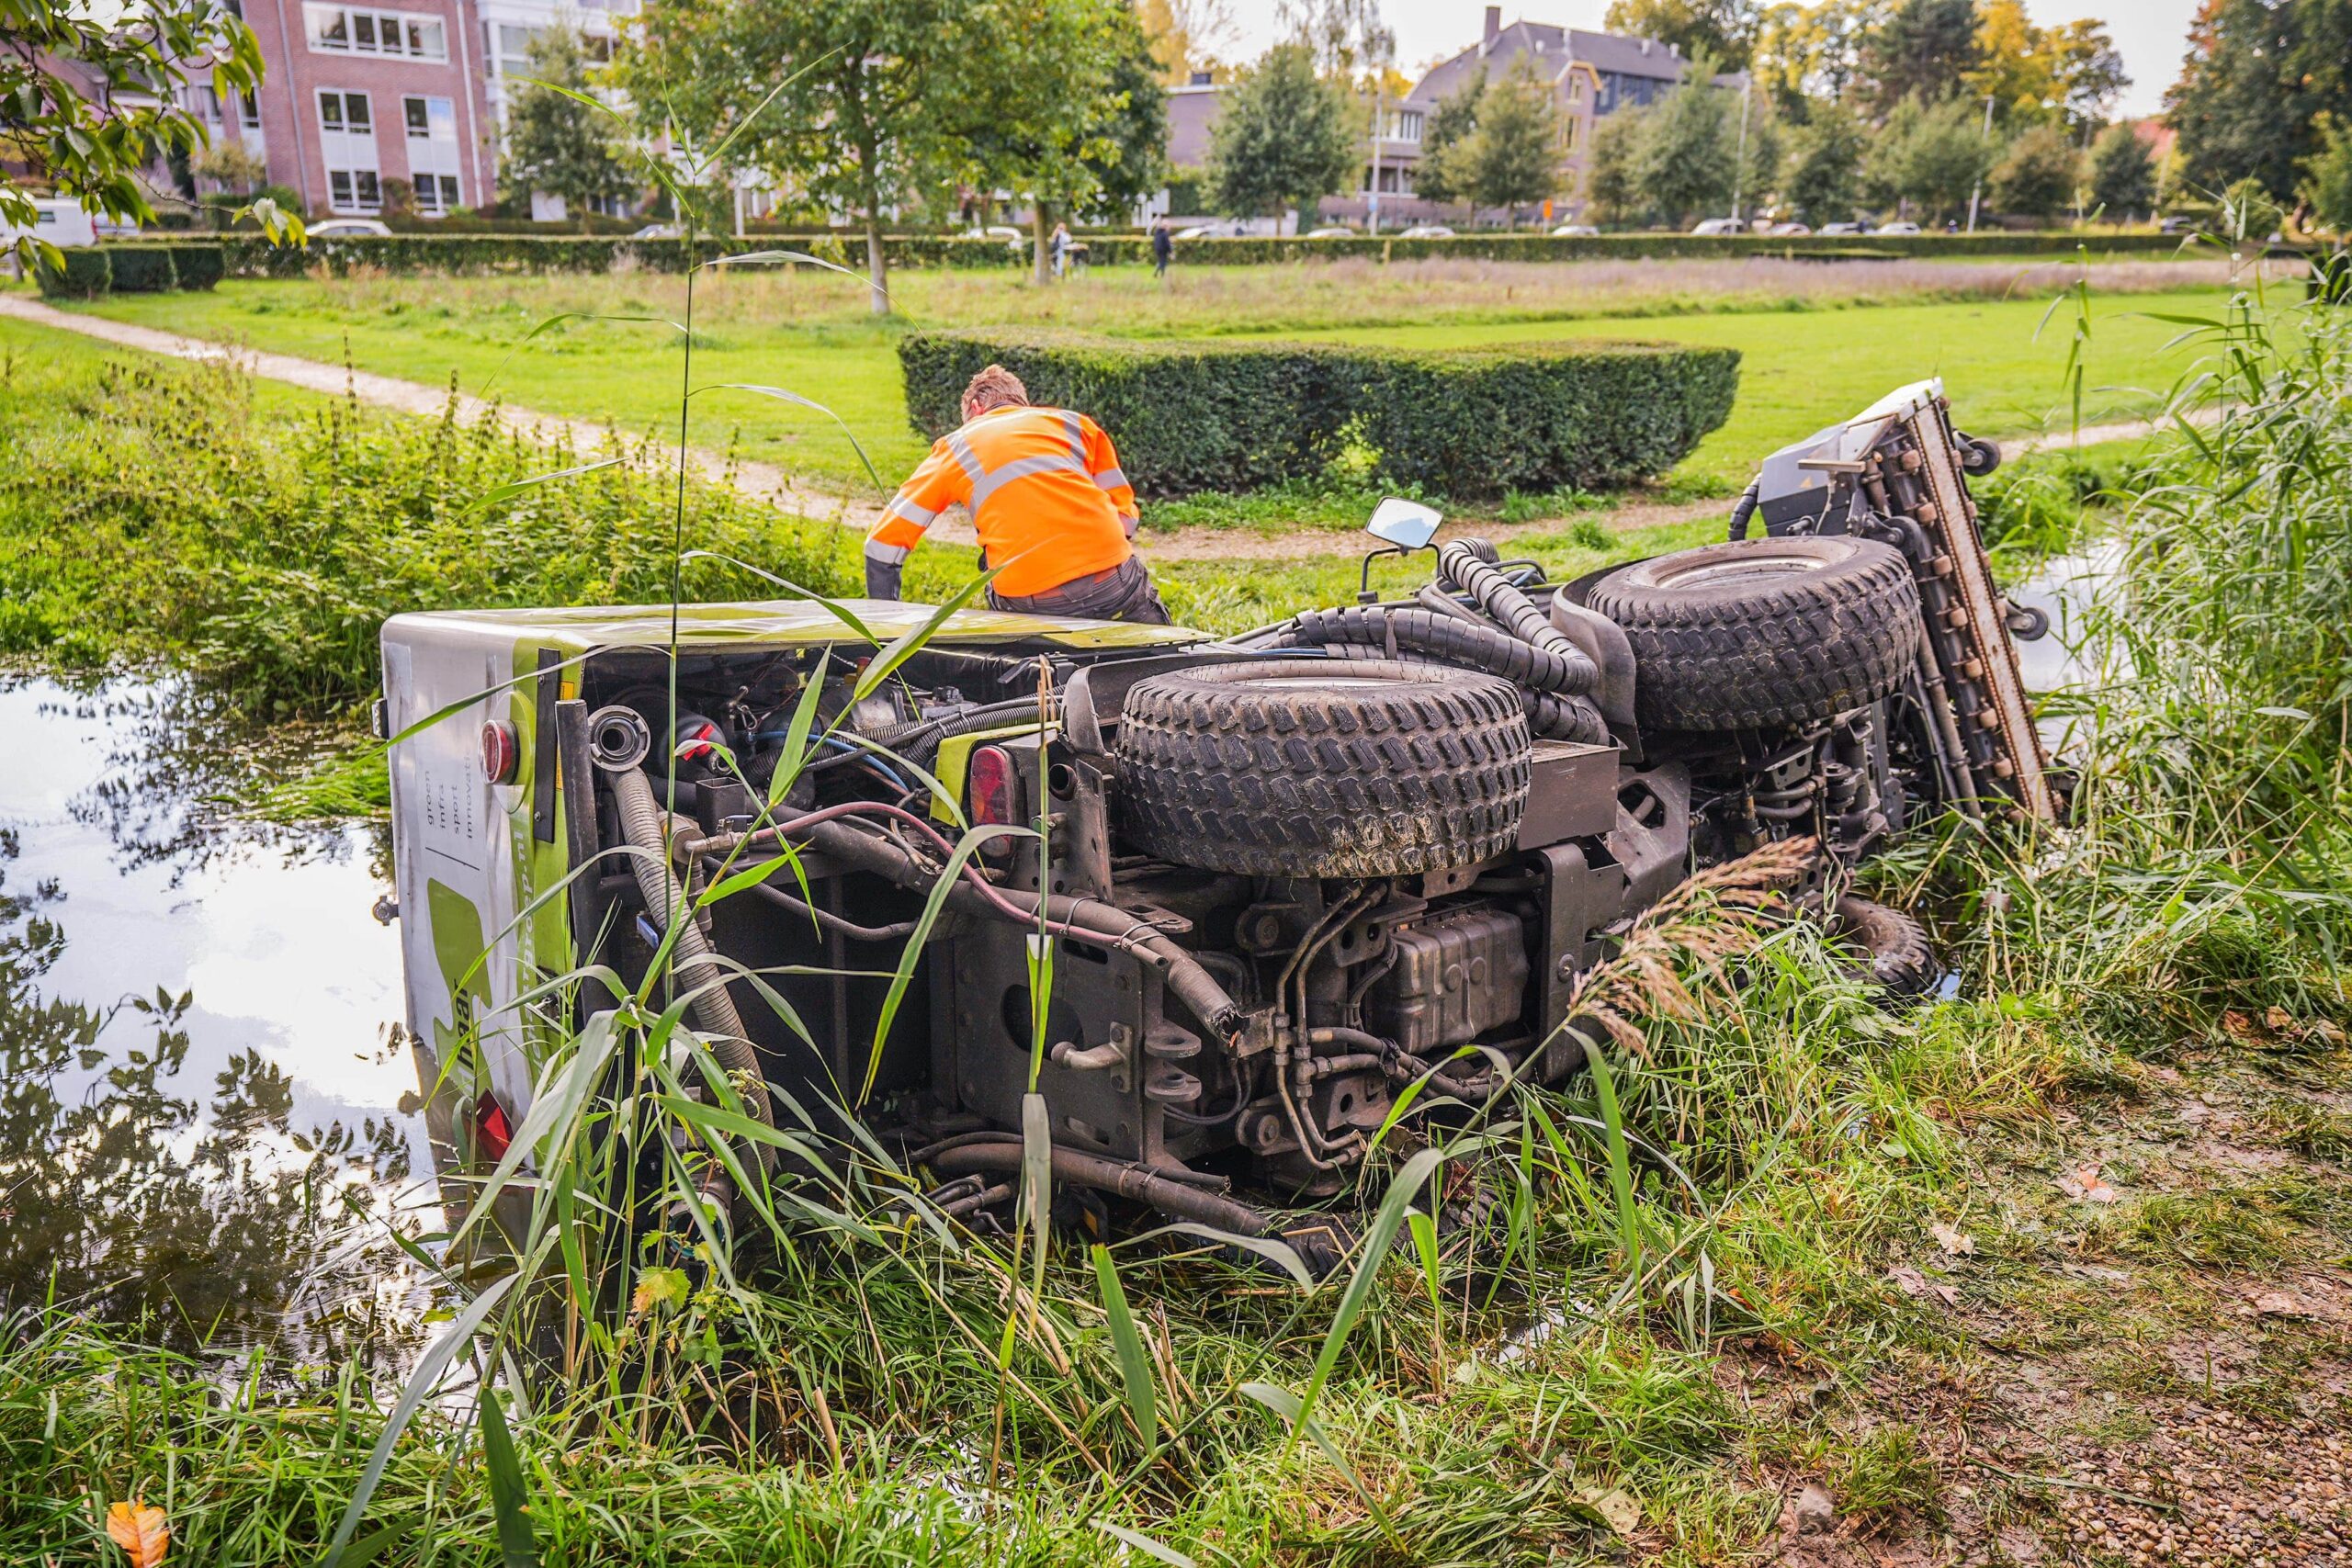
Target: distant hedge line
460 254
1237 416
87 271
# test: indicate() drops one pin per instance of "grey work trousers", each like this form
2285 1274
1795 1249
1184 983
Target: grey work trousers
1123 593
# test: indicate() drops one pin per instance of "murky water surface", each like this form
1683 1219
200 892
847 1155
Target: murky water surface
204 1109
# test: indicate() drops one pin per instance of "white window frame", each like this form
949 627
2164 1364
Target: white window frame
362 185
416 35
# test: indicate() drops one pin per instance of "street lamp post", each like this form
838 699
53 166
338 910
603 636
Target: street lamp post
1739 161
1978 189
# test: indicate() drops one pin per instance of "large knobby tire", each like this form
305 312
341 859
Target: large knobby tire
1902 964
1764 632
1314 767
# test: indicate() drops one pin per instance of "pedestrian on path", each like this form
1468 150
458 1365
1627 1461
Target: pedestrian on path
1163 248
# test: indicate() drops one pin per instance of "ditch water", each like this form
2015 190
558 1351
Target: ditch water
205 1113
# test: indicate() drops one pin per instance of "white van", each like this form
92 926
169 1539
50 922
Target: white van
58 220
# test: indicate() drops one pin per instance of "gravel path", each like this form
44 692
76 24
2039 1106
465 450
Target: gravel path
765 481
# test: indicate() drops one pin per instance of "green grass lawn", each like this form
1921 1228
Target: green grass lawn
1803 367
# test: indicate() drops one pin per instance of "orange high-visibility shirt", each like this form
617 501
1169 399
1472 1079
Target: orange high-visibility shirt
1047 498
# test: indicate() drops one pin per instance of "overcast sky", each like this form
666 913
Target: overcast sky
2152 34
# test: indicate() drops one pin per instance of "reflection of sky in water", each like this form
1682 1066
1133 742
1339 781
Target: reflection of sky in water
2064 588
269 928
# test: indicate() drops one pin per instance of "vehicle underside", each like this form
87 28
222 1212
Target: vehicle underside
1225 899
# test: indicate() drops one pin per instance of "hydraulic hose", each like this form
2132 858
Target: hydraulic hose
1744 509
1138 1183
1509 608
1446 639
1182 973
1550 717
692 960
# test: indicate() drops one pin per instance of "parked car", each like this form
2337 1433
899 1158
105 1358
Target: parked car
1576 232
1257 947
1209 232
650 232
1721 226
1789 229
1845 228
1426 231
1897 229
1335 231
2177 226
358 228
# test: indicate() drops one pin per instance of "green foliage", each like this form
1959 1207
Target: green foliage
141 269
1720 30
1930 155
1614 167
1443 133
2257 76
198 266
1239 416
2039 176
555 142
97 146
1824 178
1285 137
155 507
81 272
1922 50
2123 175
2328 175
1688 159
1512 159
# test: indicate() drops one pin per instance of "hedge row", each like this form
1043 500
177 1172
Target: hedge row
465 255
1237 416
88 270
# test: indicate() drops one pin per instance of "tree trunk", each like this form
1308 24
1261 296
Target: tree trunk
1040 259
878 268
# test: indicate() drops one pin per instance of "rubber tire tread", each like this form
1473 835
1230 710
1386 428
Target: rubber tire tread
1220 770
1788 648
1903 964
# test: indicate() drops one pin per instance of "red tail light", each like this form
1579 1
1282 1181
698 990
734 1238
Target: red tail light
493 1135
995 786
500 752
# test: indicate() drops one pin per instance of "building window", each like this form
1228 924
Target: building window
1568 129
1405 125
436 195
347 147
343 29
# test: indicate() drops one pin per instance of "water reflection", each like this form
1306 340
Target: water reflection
200 1093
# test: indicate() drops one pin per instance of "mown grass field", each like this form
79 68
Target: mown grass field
1813 353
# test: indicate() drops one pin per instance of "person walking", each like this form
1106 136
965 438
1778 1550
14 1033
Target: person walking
1059 246
1163 248
1054 512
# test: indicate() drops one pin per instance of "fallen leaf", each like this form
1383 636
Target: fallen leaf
1616 1506
2281 1022
2096 1272
2193 1113
1955 1241
2237 1026
1810 1512
1911 1282
2279 1304
139 1531
2087 1186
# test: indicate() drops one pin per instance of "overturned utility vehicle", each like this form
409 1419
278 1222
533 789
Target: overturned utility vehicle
1278 876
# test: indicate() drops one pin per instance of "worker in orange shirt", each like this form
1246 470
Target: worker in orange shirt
1053 510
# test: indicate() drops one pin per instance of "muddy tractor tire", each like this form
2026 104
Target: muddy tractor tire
1313 767
1764 632
1902 966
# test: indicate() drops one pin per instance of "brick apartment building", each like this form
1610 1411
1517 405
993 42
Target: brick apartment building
354 95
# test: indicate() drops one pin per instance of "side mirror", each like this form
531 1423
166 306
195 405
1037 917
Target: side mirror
1408 525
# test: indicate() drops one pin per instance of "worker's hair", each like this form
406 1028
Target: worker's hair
994 387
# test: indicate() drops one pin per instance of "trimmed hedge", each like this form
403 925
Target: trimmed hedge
250 255
141 269
1238 416
81 272
198 266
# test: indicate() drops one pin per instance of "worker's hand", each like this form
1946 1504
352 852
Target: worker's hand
882 579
